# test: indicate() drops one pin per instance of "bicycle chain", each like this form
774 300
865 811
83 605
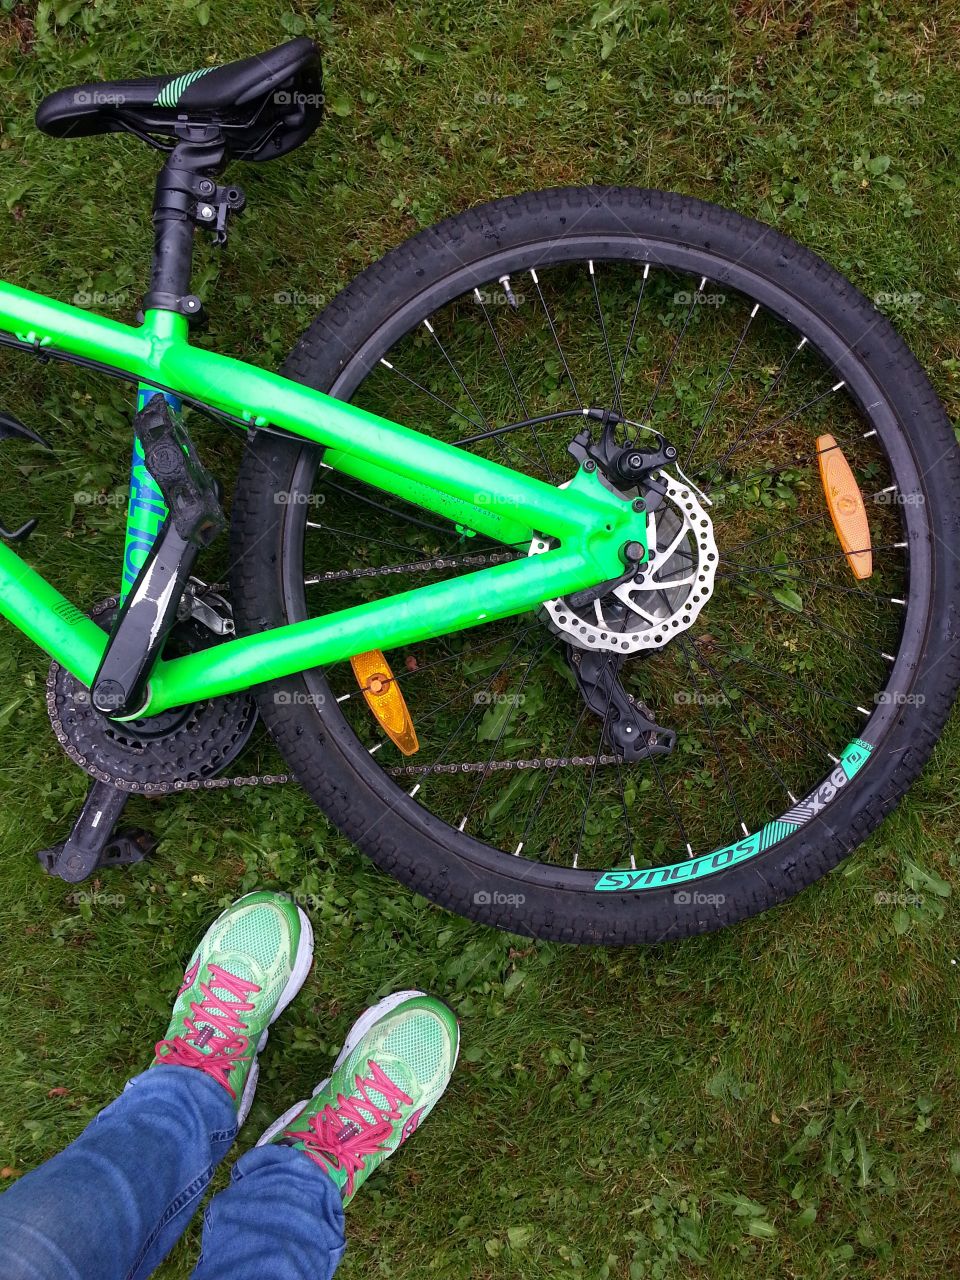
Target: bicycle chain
416 566
279 779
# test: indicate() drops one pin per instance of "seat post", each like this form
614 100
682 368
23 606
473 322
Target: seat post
184 182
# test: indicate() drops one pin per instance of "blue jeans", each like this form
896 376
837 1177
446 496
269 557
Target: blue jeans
113 1204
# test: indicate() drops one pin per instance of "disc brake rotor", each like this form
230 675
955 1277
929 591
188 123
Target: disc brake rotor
667 592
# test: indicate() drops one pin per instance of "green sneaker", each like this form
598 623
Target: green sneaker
397 1060
249 965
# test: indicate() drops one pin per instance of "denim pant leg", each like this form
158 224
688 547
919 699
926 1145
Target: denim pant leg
113 1203
281 1217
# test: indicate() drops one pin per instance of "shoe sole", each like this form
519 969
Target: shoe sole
357 1032
298 975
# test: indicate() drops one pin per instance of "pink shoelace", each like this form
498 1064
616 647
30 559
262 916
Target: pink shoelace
221 1035
343 1134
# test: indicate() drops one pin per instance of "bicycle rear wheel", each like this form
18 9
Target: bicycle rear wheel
793 700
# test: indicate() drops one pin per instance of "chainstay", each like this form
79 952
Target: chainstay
281 779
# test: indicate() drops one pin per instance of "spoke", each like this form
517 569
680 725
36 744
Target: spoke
633 324
840 557
676 347
503 355
537 804
593 772
456 372
390 511
708 719
519 394
360 537
563 359
617 403
809 616
720 385
767 761
457 731
437 399
429 716
626 816
809 739
787 417
800 524
814 690
503 728
774 571
771 390
437 662
685 839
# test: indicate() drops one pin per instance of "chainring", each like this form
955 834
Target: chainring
179 748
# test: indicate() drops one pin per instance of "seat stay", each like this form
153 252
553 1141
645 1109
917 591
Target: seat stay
590 524
405 462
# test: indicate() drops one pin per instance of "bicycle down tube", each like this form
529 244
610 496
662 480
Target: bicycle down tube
590 523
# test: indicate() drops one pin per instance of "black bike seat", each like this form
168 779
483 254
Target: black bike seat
264 105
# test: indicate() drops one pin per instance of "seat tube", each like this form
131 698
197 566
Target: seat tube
167 307
146 510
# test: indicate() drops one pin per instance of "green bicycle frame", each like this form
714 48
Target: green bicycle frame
588 523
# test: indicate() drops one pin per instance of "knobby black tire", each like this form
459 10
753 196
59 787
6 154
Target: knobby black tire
447 866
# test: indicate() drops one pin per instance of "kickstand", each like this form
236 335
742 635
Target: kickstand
92 843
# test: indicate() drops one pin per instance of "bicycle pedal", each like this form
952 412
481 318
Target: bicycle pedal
125 847
93 843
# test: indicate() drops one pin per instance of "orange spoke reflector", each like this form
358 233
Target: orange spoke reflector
845 505
383 697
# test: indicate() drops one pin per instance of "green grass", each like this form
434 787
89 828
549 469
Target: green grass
780 1100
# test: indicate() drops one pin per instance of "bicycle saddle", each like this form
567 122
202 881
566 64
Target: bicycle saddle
263 106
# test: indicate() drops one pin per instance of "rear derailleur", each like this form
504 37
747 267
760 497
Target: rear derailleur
628 726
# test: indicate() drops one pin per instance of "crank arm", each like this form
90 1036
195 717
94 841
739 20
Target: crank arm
151 608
